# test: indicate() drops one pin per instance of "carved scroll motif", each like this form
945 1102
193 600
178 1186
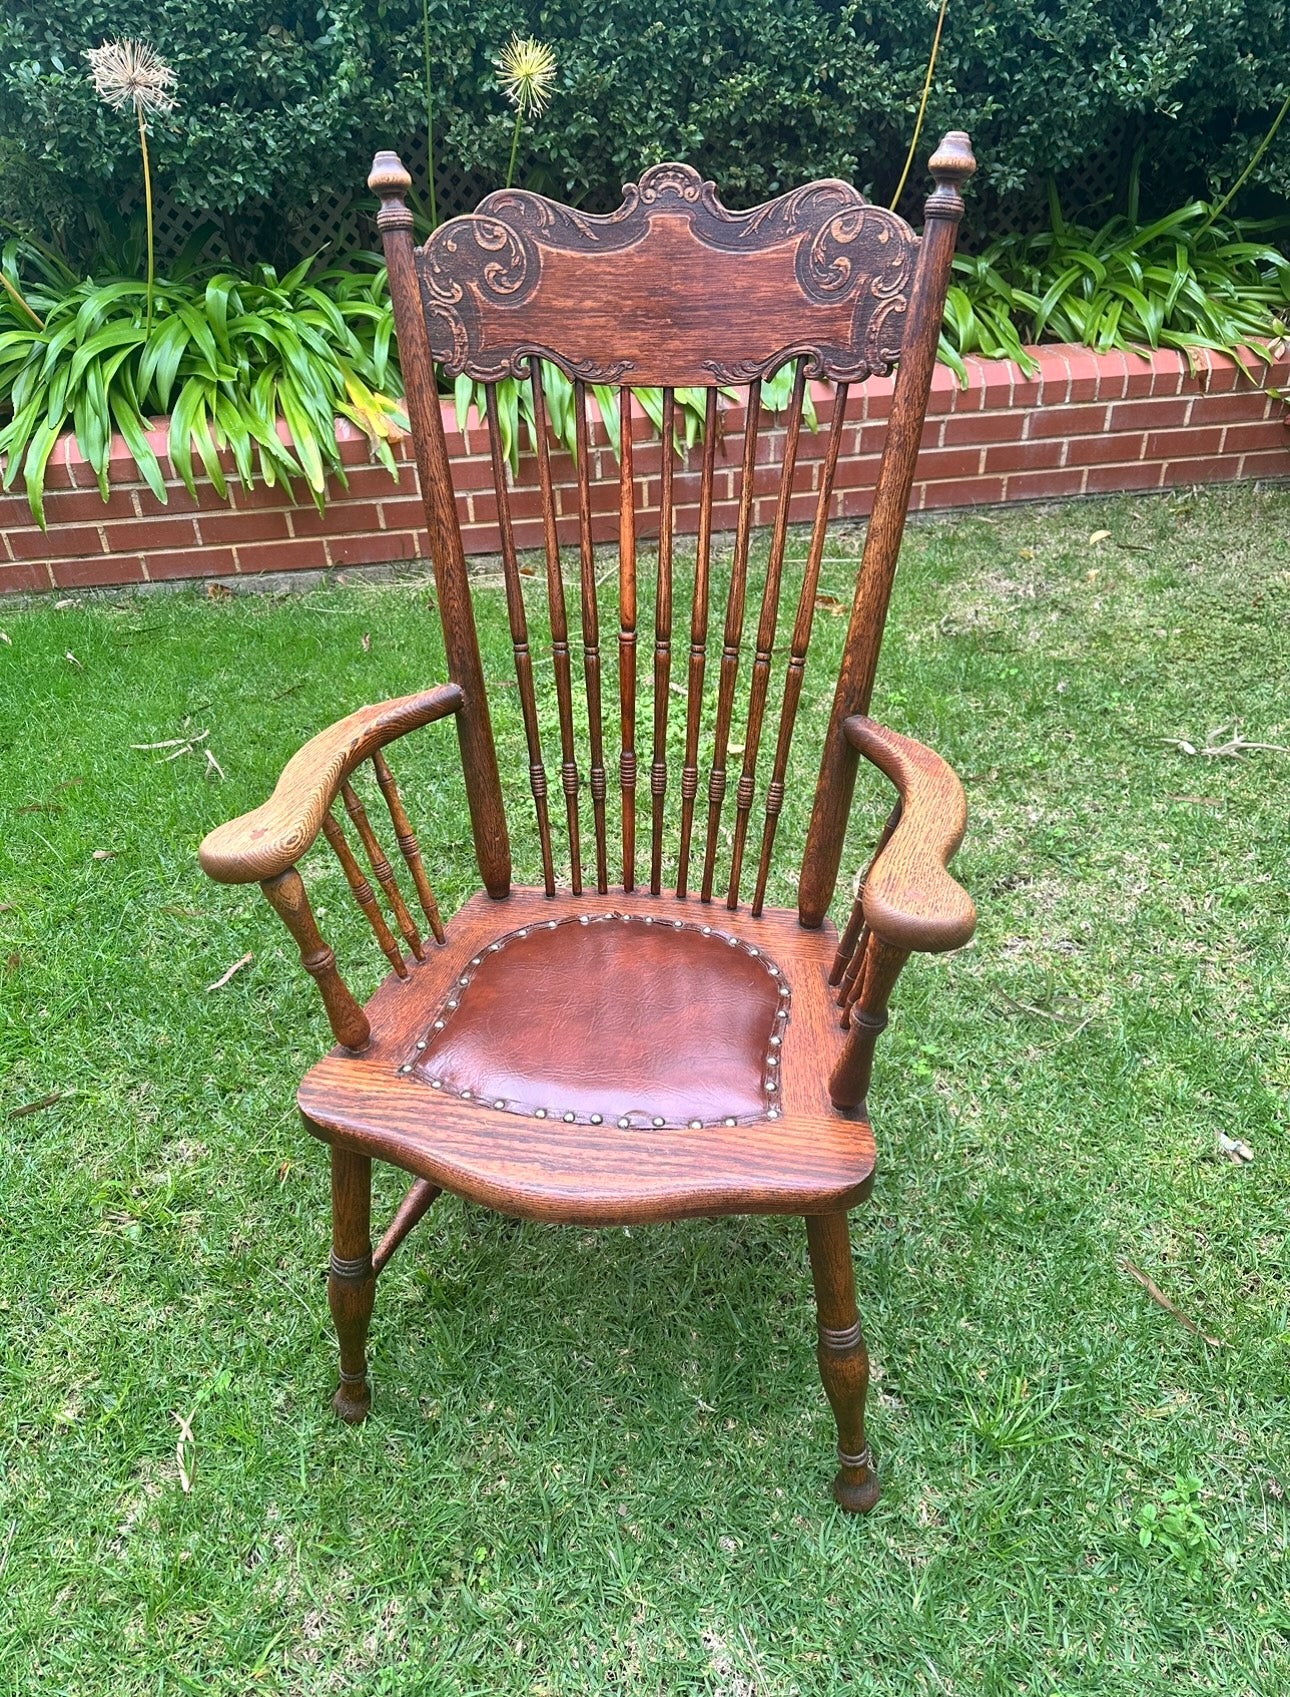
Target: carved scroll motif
649 293
857 256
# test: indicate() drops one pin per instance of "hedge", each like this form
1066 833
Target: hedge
282 103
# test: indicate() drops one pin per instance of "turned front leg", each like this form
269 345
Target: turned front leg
351 1283
844 1364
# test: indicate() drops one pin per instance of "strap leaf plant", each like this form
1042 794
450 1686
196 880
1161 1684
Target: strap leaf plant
258 365
1193 279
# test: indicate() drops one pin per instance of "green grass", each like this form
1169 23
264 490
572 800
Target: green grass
598 1462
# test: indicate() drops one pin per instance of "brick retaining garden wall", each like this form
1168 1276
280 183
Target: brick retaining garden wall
1086 424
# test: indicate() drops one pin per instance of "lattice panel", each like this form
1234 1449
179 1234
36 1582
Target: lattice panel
1089 191
174 226
339 223
343 223
346 222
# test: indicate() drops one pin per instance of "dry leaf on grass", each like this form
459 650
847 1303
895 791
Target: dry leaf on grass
1234 1148
35 1107
186 1446
1220 744
185 1451
181 743
1158 1296
236 967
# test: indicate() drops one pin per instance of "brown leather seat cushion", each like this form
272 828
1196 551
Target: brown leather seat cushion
614 1018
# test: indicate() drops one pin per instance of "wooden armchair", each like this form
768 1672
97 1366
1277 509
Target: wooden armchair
644 1053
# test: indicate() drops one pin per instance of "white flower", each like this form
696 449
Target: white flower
129 73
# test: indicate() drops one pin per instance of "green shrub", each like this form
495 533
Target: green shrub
283 104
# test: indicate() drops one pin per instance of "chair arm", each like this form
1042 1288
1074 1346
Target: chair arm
910 900
267 841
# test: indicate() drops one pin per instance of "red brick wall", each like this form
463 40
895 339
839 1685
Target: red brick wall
1087 424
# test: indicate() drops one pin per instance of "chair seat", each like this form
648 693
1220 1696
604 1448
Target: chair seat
606 1059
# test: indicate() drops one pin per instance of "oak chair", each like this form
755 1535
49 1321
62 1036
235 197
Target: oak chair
645 1053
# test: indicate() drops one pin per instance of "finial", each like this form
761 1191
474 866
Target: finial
390 180
951 165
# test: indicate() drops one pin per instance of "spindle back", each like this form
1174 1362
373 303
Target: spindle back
673 291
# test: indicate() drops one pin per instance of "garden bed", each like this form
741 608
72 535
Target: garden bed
1086 423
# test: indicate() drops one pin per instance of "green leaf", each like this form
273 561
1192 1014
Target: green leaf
42 445
134 433
463 394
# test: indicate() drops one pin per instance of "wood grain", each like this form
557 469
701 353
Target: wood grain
518 621
570 778
809 1158
672 289
879 968
698 643
798 645
951 165
286 895
272 837
765 638
910 900
351 1281
488 830
362 893
420 1198
731 639
409 848
381 869
843 1359
590 635
817 273
627 634
662 650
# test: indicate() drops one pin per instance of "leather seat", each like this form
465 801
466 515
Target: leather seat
617 1018
579 1050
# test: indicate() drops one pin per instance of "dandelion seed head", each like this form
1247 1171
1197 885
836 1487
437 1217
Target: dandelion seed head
526 73
130 73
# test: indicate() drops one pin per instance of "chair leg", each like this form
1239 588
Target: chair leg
351 1283
844 1363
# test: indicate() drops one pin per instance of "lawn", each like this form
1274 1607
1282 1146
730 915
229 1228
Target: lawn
598 1461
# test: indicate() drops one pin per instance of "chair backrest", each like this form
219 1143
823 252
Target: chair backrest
676 292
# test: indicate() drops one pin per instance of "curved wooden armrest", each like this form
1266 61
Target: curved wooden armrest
265 842
910 900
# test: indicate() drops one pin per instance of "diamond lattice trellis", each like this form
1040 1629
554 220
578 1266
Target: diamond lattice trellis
339 223
344 223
